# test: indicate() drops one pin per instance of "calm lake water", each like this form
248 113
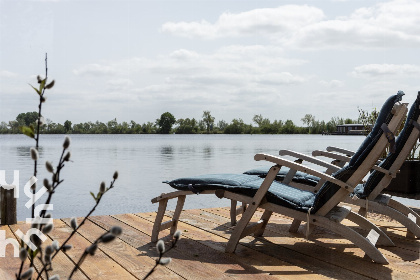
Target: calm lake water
143 162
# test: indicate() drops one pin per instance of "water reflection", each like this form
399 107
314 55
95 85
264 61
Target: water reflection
24 151
167 152
207 152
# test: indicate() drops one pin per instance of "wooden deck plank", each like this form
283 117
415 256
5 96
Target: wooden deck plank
126 255
243 254
9 265
218 225
192 251
98 266
403 250
200 252
334 249
62 264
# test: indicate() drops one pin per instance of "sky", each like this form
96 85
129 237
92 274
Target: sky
134 60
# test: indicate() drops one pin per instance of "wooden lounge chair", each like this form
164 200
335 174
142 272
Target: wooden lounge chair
367 195
321 208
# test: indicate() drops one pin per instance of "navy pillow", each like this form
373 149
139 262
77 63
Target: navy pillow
385 116
329 189
364 190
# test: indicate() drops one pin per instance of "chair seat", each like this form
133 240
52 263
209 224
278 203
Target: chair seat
278 193
299 177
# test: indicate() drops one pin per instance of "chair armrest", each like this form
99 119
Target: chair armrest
309 159
340 150
318 153
292 165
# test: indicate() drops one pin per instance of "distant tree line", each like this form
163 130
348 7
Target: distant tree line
167 123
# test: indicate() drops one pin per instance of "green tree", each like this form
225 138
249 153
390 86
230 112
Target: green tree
67 126
186 126
222 125
288 127
165 123
208 121
27 118
237 126
308 120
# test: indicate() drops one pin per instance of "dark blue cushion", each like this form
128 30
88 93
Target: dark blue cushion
364 190
278 193
300 177
384 116
328 189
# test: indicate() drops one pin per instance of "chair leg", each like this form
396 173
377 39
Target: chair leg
233 204
365 224
239 230
401 213
264 220
158 219
360 241
177 213
295 226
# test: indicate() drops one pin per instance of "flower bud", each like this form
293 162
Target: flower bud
107 238
27 274
34 154
66 143
36 240
49 250
92 249
115 175
48 228
39 79
23 254
49 166
160 246
116 230
47 259
50 85
55 245
33 187
43 99
67 247
102 188
67 156
47 184
73 223
177 235
164 261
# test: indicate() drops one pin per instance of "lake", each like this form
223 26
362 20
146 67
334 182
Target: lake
143 162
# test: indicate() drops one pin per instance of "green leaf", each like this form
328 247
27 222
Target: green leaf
28 131
34 253
42 84
35 89
94 197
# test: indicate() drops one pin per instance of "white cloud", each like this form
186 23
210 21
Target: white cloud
332 83
258 21
374 70
384 25
7 74
119 84
95 70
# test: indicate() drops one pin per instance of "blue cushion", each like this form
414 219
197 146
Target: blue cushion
328 189
384 116
278 193
300 177
364 190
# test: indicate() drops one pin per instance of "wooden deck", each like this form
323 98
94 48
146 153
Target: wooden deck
200 252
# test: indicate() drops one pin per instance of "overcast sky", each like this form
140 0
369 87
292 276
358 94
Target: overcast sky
134 60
